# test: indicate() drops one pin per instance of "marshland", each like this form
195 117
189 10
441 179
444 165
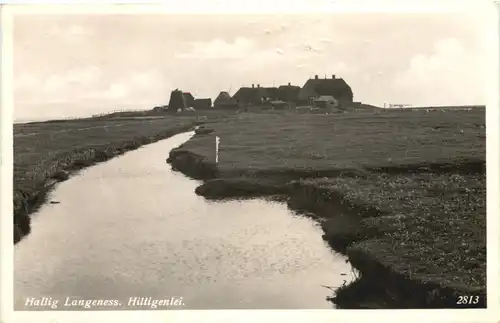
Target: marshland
259 161
395 206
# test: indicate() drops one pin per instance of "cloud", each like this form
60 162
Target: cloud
91 83
72 79
114 91
135 87
449 75
69 85
89 61
220 49
286 51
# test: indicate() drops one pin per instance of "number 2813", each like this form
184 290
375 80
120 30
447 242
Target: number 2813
464 300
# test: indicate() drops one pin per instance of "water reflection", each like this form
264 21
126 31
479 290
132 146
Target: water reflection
132 227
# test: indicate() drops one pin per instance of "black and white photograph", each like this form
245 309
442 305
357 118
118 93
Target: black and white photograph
175 161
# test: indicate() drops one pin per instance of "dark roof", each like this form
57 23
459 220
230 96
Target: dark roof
335 87
250 94
189 98
188 95
224 98
272 92
202 103
288 93
282 87
177 101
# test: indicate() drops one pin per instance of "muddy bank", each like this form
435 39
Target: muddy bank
380 286
240 188
192 165
28 201
348 227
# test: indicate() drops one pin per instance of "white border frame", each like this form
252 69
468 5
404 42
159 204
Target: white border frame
491 42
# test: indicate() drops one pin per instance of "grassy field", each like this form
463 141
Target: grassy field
431 227
413 183
46 152
345 141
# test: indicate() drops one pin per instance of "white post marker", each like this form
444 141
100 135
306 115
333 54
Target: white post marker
217 141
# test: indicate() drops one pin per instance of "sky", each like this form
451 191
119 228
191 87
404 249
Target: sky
80 65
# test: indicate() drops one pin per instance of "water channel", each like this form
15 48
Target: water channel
133 229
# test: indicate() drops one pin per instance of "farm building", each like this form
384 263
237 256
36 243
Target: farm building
288 93
224 101
189 99
202 104
316 87
271 93
177 101
326 102
278 104
254 95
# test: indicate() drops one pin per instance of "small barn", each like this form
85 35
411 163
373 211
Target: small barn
327 102
177 101
278 104
202 104
224 101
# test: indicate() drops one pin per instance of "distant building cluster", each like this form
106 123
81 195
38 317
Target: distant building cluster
329 93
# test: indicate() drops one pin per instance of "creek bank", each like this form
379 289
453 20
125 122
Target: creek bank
232 188
203 131
348 227
28 201
380 285
192 165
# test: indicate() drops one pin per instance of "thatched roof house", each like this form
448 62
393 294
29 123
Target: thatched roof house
336 87
189 98
222 97
177 101
224 101
202 104
251 95
288 93
271 93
